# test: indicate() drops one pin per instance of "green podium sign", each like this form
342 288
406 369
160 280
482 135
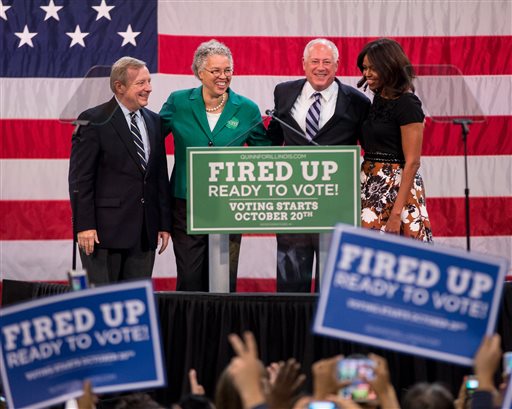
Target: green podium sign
272 189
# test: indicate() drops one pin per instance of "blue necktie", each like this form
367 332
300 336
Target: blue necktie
313 117
137 139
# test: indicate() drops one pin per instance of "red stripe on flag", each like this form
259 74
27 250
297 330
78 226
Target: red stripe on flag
162 284
40 139
488 216
35 138
49 139
169 144
283 55
445 138
51 220
35 220
243 285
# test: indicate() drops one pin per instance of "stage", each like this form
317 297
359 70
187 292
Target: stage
195 327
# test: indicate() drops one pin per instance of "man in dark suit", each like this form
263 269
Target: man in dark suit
118 181
323 111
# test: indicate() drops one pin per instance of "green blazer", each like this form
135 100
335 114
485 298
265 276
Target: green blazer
184 115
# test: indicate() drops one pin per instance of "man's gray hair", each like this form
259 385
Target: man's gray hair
324 41
119 70
207 49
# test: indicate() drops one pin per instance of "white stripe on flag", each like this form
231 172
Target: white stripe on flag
46 179
490 91
51 259
328 18
487 175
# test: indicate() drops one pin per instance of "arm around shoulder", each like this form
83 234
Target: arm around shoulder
166 115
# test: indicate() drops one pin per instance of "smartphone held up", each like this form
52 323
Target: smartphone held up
358 369
317 404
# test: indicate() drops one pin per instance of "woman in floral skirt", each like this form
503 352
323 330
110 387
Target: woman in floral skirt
392 192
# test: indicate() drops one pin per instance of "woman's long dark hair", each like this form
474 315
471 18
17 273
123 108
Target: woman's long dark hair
391 64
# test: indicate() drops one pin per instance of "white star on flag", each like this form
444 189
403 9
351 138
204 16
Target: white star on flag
103 10
77 37
3 9
51 11
129 36
25 37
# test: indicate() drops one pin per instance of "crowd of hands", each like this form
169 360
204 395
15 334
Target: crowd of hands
247 384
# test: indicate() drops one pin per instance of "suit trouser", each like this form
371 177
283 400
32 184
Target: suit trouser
295 259
235 241
106 266
190 250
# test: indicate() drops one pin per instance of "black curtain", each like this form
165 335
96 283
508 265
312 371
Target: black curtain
195 329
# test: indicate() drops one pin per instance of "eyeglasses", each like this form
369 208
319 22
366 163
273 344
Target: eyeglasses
228 72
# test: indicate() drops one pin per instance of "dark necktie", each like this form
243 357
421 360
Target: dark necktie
137 139
313 117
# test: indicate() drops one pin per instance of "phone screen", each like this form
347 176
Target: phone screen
507 363
471 384
322 405
355 370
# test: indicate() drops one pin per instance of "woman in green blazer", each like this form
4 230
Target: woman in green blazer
210 115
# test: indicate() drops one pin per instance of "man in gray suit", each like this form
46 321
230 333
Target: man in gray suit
323 111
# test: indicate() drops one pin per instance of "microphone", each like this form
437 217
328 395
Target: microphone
81 122
464 122
78 123
272 113
245 132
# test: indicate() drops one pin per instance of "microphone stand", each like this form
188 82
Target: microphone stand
221 274
74 207
271 113
244 133
323 238
464 123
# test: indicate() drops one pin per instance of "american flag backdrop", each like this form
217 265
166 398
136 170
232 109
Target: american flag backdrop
48 46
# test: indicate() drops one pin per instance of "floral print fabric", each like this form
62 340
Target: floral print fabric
379 188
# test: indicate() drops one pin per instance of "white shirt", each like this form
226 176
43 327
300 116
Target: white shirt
212 119
139 119
301 107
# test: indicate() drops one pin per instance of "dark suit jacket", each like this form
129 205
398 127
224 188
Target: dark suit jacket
344 127
114 192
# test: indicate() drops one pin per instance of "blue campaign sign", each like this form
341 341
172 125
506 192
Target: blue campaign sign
401 294
109 335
